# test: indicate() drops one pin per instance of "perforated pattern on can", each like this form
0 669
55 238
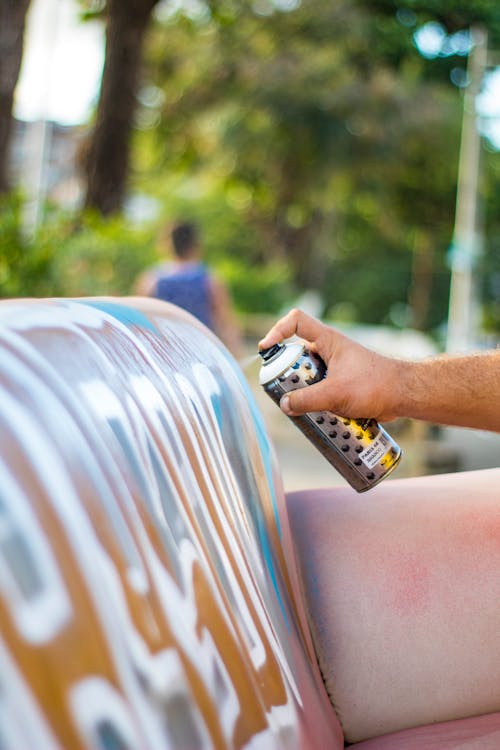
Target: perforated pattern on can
362 443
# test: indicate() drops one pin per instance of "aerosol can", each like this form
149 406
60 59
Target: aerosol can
360 449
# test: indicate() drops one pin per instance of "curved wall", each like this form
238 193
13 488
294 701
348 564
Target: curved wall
148 594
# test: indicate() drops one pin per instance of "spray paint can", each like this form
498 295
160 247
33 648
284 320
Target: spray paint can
360 449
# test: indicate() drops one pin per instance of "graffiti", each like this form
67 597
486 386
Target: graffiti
145 595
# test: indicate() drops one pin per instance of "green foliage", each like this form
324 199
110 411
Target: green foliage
96 256
103 256
69 258
452 15
322 136
27 267
313 144
258 289
489 262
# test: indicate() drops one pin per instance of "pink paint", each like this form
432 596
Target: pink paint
409 590
477 527
396 575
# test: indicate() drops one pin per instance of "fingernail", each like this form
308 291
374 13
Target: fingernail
285 405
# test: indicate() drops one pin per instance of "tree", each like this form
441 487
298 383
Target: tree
303 123
334 137
453 15
108 157
12 23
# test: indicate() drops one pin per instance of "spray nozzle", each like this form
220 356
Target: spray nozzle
271 352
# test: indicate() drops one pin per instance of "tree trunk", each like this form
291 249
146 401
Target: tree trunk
421 279
109 154
12 22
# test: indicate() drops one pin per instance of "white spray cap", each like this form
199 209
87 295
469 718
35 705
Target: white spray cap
278 359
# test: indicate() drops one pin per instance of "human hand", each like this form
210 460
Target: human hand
359 383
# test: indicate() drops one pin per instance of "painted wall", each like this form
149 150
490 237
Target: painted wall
148 595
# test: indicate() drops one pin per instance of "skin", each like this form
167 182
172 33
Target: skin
461 390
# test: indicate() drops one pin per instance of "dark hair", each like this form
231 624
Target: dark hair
184 238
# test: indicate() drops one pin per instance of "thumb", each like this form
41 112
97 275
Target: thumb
315 397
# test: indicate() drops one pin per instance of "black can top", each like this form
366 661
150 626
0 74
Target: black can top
272 351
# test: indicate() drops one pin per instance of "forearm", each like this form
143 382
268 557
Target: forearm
454 390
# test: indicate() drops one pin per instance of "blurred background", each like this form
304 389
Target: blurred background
341 156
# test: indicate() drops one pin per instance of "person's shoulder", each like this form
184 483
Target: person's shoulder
148 279
164 268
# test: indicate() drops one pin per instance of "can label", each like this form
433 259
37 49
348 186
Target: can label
376 451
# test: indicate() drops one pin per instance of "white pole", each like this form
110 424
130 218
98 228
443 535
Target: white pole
38 138
462 322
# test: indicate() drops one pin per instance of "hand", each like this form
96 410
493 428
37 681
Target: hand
359 383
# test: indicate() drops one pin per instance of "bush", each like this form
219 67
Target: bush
102 256
98 256
94 256
262 288
26 265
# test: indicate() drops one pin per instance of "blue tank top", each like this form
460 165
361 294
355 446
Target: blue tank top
189 288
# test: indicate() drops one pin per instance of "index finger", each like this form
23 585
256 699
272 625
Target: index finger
296 322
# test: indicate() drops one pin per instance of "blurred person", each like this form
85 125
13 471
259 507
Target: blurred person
460 390
185 281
